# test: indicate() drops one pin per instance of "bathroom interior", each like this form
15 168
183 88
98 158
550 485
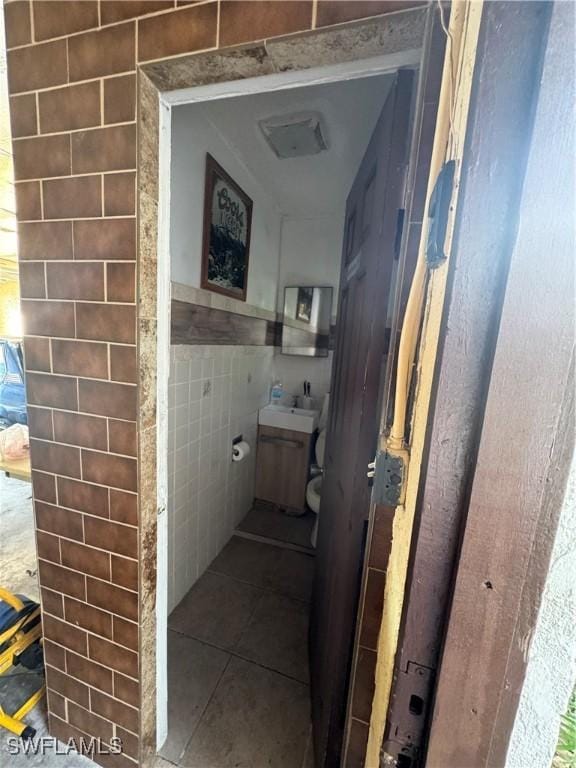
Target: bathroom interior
248 407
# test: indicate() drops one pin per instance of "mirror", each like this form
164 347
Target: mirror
306 321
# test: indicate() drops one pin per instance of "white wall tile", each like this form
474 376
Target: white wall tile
214 395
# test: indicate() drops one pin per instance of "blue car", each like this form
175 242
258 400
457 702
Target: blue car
12 388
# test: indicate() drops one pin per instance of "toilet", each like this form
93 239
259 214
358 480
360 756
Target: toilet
314 487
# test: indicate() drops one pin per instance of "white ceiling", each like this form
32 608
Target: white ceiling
303 186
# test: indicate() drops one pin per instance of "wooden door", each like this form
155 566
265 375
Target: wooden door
368 256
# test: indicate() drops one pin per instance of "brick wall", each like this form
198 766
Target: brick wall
72 79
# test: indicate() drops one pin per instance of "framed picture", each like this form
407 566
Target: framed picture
304 304
226 239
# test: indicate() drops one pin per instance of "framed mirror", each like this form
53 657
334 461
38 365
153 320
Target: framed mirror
306 320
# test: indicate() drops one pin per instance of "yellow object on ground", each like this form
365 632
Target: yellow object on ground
21 661
18 468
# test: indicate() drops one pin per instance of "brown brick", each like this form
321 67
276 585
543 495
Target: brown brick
104 149
55 458
106 322
104 52
37 353
67 686
69 108
23 121
115 471
93 674
45 241
47 318
126 689
52 602
357 743
49 390
48 547
122 437
120 99
40 423
83 496
56 703
42 156
184 31
124 603
123 507
28 200
121 282
79 429
117 657
85 559
125 572
337 11
243 21
54 654
130 743
113 11
60 522
65 634
54 18
119 194
108 399
364 684
32 282
381 537
61 580
115 711
17 23
87 617
37 66
77 197
80 358
90 723
75 281
68 734
113 537
44 486
123 364
125 633
113 239
372 616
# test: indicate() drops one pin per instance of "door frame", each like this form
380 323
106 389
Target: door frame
378 46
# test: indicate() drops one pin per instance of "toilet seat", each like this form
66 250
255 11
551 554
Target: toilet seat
313 491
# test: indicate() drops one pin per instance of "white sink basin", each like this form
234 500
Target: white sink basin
282 417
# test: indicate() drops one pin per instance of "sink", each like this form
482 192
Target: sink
282 417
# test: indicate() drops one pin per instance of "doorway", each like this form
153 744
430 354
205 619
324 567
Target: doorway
236 571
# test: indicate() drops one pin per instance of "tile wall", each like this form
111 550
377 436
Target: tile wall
72 82
214 395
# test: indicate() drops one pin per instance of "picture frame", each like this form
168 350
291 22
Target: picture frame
226 233
304 304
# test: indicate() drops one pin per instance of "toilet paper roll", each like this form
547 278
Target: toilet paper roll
240 451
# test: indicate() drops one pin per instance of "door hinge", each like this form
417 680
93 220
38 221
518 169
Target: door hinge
388 471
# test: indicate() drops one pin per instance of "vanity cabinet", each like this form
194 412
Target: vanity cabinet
282 467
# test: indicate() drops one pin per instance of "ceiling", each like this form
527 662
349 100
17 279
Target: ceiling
303 186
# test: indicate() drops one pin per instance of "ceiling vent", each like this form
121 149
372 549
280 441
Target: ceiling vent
296 135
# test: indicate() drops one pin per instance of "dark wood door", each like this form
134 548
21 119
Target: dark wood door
367 274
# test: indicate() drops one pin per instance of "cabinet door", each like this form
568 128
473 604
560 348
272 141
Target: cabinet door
282 467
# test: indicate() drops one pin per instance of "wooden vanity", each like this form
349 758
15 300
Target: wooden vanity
282 467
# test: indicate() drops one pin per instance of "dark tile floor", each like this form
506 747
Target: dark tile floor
273 524
238 662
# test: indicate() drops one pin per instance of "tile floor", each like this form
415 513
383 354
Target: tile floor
238 662
273 524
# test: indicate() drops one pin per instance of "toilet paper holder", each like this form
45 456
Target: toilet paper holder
240 449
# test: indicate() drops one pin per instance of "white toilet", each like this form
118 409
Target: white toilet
314 487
